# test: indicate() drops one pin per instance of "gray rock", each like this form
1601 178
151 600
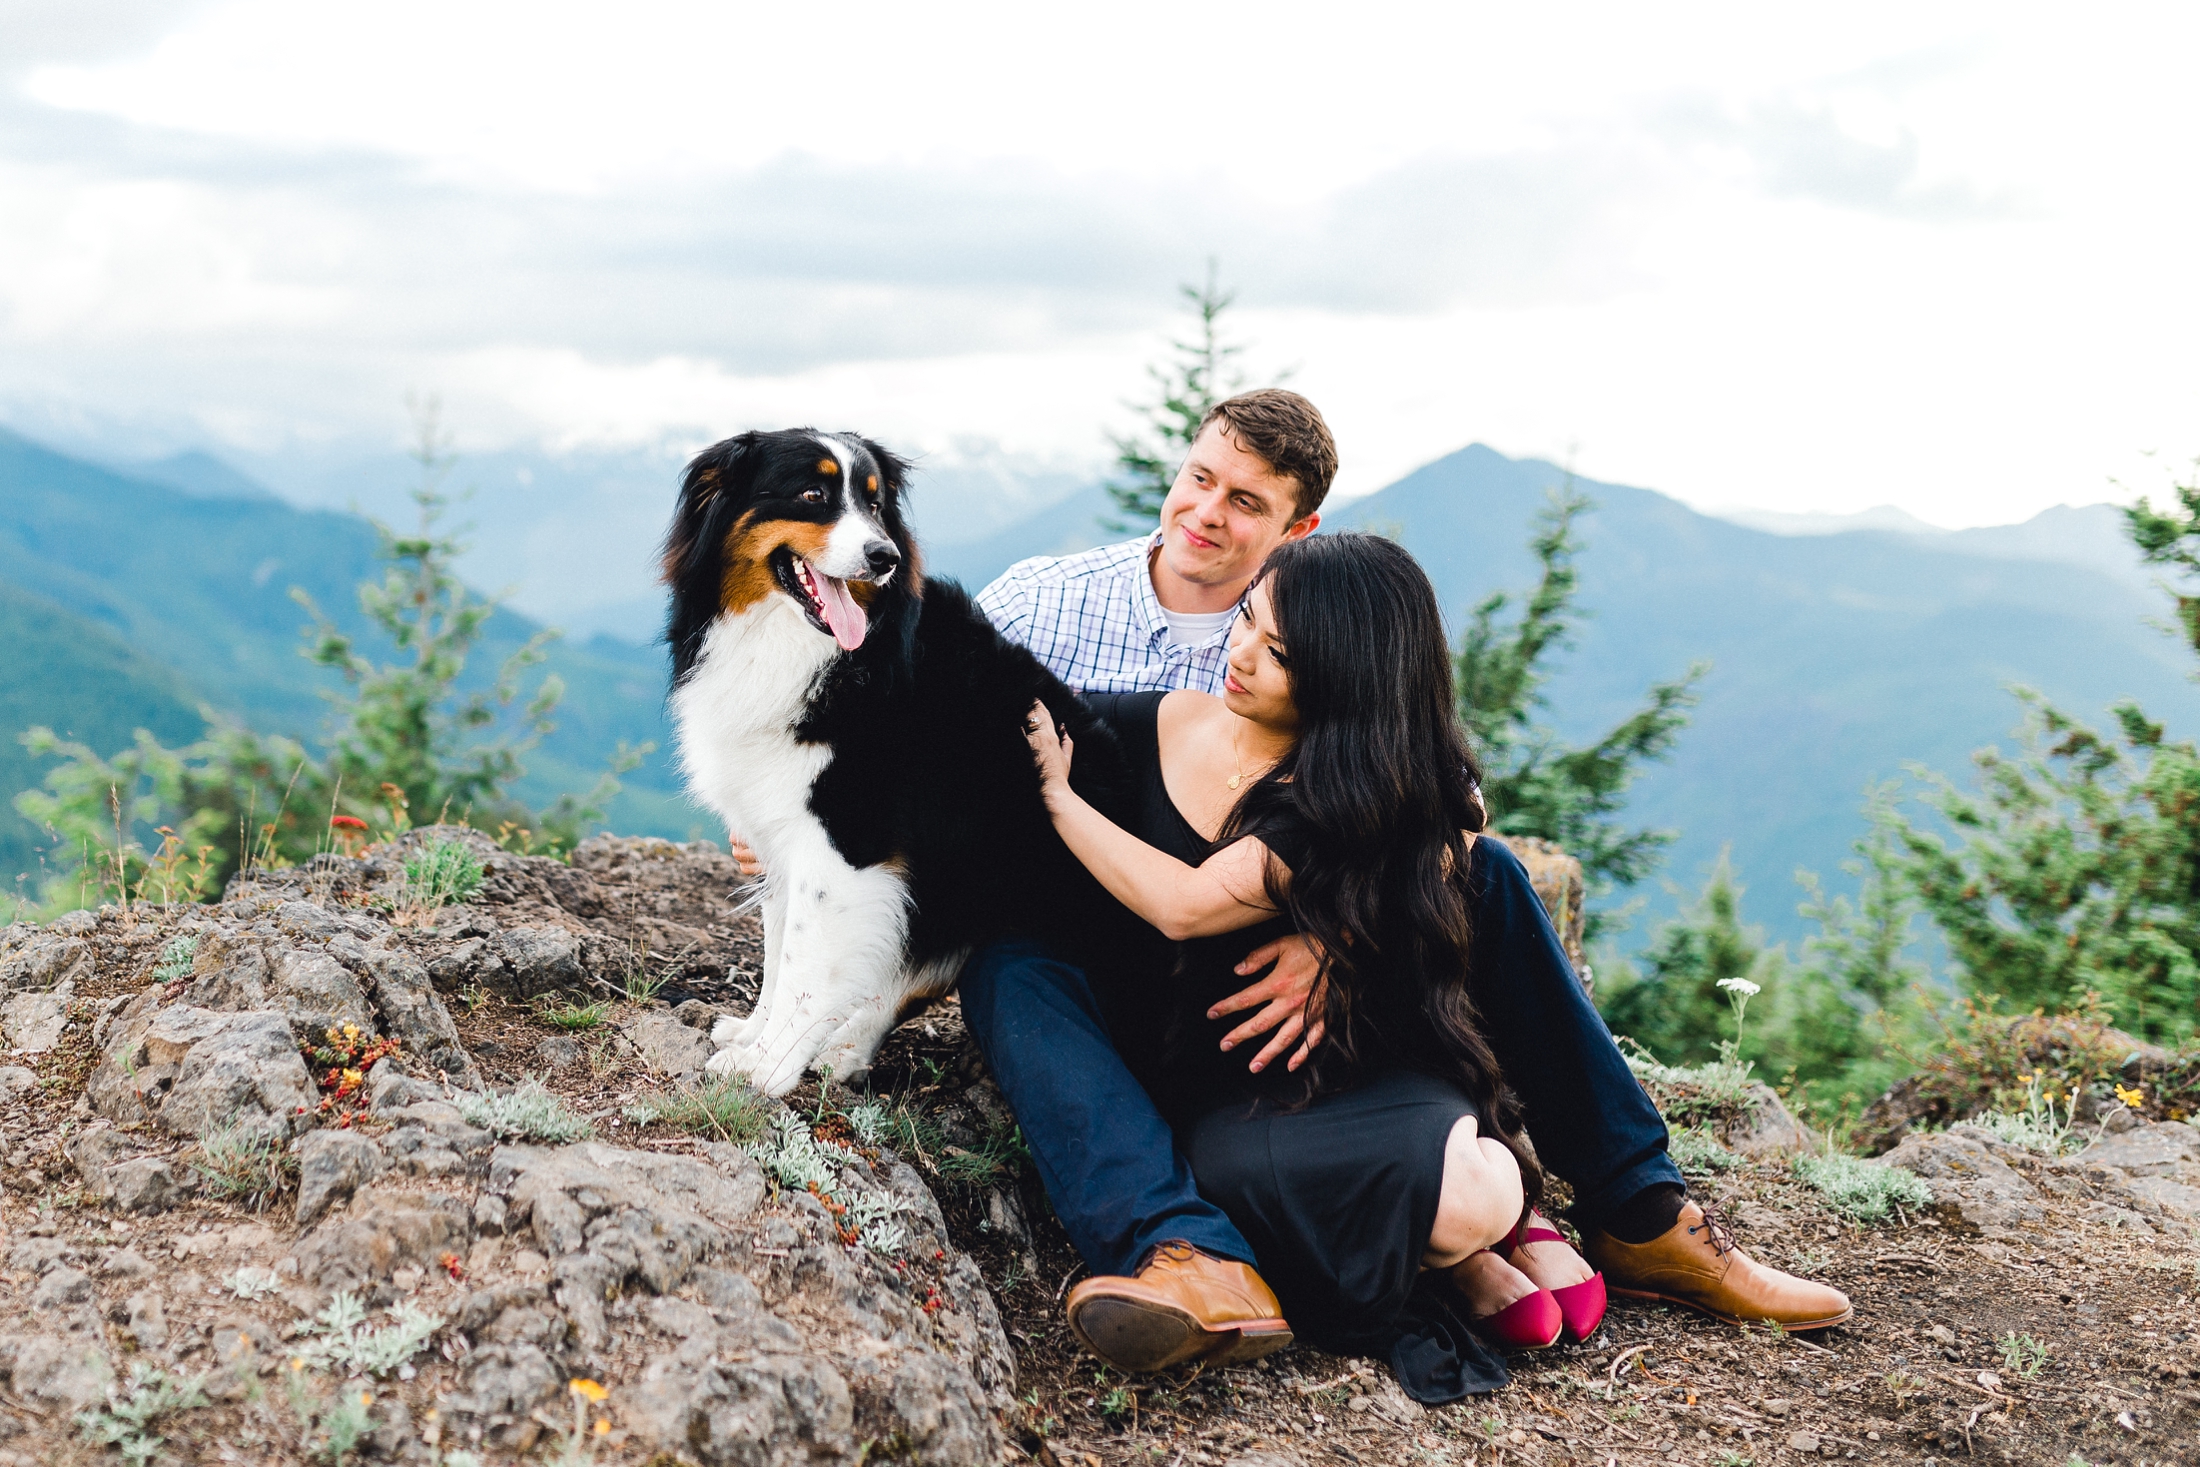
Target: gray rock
44 960
16 1080
196 1070
558 1052
34 1021
668 1046
539 960
927 1404
384 1230
148 1320
61 1285
770 1411
318 993
503 1384
413 1014
332 1164
390 1088
1969 1178
61 1370
147 1184
418 1152
228 971
1769 1128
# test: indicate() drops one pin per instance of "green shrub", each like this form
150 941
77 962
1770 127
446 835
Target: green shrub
1863 1191
574 1017
528 1112
342 1341
406 739
1698 1153
126 1421
445 872
723 1106
176 958
243 1166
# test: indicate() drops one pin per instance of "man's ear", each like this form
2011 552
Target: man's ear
1303 528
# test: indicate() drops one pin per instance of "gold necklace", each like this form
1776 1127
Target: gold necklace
1236 758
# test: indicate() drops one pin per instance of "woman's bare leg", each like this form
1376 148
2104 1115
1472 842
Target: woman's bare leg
1550 1265
1480 1200
1478 1205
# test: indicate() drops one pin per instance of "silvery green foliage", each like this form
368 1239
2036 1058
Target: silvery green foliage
252 1283
176 957
528 1112
1864 1191
345 1343
870 1123
126 1421
1698 1152
793 1157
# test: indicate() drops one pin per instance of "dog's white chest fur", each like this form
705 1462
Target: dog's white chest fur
834 935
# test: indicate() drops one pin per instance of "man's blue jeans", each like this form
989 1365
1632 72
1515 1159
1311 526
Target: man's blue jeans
1110 1162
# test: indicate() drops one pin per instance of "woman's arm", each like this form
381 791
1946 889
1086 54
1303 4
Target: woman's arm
1225 892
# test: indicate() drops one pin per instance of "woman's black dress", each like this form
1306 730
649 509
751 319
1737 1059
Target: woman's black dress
1337 1194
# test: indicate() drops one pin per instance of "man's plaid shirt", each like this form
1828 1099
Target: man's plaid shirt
1094 621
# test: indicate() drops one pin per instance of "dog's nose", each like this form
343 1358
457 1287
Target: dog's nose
883 557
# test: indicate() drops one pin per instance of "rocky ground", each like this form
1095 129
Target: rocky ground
393 1244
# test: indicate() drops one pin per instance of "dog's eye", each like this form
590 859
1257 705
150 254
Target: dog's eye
813 495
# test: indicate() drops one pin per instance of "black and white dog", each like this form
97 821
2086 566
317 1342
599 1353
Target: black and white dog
862 729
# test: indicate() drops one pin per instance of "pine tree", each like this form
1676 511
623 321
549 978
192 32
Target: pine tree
1534 783
1202 372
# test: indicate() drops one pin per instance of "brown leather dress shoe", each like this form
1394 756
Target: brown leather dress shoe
1698 1264
1183 1305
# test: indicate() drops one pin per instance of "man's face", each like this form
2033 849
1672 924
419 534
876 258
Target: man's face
1226 511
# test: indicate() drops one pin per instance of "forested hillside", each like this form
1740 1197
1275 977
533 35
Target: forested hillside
139 596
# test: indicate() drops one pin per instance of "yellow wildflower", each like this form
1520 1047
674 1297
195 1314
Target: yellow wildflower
2132 1097
366 1399
603 1426
588 1388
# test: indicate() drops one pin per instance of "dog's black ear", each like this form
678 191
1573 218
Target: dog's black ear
715 478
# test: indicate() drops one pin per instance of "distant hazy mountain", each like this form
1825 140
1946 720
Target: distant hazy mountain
84 682
1840 651
1783 522
198 589
574 535
1837 659
198 474
1839 655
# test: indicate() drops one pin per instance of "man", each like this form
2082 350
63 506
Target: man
1173 1279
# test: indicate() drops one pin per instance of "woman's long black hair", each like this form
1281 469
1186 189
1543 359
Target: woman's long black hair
1382 781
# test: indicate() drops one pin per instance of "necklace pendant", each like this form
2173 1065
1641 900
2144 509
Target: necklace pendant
1235 780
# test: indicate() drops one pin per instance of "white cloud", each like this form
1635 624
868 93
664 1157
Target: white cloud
1796 260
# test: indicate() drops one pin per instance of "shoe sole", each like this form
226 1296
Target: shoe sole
1804 1326
1137 1338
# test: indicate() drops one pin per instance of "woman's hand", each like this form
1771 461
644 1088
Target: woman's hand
1287 993
1051 748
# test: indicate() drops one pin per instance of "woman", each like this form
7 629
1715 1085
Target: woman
1330 790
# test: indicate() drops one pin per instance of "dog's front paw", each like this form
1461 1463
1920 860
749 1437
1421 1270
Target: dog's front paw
726 1061
726 1031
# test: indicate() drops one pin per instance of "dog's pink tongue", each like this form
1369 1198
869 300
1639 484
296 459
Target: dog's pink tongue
841 612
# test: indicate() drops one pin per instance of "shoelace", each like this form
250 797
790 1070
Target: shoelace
1722 1237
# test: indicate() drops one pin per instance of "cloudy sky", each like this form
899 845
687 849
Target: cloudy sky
1935 256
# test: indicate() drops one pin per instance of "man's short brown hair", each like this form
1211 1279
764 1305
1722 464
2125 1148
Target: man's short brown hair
1286 430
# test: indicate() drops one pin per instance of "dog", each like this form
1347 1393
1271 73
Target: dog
862 729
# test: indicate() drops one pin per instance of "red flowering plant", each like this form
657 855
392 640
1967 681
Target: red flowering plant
349 832
340 1066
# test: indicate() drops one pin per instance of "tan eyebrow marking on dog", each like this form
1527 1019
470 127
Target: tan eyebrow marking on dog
827 466
873 483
